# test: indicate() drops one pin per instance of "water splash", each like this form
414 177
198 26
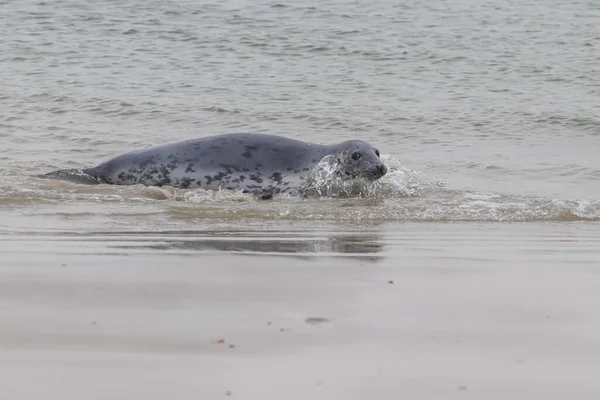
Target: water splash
202 196
400 181
73 175
325 181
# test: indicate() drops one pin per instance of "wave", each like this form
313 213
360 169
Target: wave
402 195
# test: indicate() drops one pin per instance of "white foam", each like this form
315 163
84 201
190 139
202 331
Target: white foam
324 181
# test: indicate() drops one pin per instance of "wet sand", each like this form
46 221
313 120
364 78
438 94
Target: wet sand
427 310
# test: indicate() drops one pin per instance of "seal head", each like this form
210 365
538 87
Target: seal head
358 159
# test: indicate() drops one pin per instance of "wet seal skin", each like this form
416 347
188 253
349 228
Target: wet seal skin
263 165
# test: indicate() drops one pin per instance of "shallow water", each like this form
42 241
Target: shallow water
485 112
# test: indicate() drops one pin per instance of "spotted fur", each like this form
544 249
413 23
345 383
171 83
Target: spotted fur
255 163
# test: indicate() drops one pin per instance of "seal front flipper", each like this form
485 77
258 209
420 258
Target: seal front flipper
267 196
74 175
261 195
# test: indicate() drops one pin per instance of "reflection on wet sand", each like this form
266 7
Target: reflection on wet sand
300 245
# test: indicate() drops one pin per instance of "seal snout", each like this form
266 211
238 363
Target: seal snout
379 171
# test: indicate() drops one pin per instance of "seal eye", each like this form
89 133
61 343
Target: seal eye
377 152
355 156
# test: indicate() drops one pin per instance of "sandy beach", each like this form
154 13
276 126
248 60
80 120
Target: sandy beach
409 311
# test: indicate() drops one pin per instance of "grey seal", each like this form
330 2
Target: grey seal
255 163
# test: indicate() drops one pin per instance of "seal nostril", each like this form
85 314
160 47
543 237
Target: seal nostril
382 169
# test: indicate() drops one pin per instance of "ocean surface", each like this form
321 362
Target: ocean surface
487 114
